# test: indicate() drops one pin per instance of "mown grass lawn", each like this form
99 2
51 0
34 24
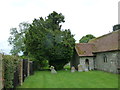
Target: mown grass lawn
66 79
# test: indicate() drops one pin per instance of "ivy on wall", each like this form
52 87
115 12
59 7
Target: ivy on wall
9 65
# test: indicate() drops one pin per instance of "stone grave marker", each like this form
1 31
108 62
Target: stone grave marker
80 69
72 69
53 70
90 68
83 67
86 68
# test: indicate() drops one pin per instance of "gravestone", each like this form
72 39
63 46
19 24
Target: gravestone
86 68
83 67
72 69
1 79
53 70
80 69
90 68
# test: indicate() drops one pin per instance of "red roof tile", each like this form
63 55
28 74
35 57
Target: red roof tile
108 42
84 49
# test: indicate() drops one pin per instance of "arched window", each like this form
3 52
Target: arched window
105 58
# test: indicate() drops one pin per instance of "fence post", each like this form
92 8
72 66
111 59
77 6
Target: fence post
21 72
30 67
1 78
28 70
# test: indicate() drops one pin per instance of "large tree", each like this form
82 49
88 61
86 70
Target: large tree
85 39
46 41
16 40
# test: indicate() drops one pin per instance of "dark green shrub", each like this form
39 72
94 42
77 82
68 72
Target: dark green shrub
58 64
116 27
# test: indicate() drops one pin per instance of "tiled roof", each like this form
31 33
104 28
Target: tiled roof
108 42
84 49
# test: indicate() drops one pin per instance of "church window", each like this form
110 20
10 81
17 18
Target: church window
105 58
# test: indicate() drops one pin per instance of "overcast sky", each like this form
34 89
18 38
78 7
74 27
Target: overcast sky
81 16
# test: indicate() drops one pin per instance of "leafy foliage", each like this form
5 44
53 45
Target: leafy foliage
9 65
46 41
17 38
116 27
85 39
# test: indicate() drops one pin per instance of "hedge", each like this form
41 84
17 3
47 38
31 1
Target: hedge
9 65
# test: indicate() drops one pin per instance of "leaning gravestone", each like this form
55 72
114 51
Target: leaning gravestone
80 69
53 70
72 69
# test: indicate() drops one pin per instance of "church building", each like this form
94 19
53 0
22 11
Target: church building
101 53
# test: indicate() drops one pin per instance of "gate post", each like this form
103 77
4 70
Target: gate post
28 70
21 72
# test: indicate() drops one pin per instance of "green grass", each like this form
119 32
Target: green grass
66 79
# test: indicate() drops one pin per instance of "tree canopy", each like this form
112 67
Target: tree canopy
16 40
85 39
46 41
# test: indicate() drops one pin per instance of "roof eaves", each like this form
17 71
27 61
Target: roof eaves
77 51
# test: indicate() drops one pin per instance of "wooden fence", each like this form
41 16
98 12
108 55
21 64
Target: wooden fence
23 71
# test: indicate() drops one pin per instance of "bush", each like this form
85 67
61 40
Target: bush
116 27
9 65
40 65
58 64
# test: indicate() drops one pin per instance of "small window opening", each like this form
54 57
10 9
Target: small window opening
105 58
